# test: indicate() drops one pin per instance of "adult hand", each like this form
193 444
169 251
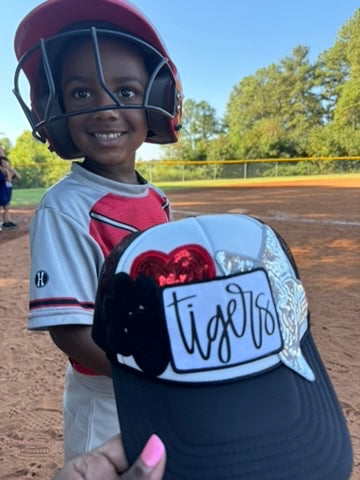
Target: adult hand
108 462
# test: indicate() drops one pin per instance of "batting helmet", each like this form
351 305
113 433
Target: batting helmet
38 43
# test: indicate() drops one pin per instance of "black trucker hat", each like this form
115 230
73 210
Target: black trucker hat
206 324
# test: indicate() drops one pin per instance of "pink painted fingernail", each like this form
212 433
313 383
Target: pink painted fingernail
153 451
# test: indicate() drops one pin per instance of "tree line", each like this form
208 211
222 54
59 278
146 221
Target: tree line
292 108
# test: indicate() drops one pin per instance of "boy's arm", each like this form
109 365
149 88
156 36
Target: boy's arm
76 342
14 173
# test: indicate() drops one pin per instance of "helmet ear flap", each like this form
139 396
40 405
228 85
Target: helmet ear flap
60 140
164 95
57 131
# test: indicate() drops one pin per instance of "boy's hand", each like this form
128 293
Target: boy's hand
108 462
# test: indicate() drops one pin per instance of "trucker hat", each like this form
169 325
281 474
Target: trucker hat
206 324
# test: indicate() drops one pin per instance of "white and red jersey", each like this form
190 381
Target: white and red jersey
77 223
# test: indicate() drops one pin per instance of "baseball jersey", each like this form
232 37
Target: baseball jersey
77 223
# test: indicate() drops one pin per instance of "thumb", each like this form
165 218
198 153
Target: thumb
150 465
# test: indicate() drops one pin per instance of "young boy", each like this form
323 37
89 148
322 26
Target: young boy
101 83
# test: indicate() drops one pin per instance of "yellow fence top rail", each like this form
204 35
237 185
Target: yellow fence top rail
248 160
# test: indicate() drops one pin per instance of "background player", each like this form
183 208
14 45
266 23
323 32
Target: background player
7 175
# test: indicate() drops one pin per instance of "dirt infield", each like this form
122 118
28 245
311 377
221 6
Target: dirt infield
321 222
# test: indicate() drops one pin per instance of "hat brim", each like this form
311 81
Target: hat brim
270 426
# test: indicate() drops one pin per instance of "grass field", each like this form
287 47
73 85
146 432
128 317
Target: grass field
32 196
26 196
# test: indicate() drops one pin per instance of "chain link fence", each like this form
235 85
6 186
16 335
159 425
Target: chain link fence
172 170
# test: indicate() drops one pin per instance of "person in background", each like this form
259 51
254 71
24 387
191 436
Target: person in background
7 175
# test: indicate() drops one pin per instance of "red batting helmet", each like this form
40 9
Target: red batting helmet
39 40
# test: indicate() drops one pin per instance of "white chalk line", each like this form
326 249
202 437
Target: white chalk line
282 217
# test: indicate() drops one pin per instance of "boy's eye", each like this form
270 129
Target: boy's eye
81 94
126 93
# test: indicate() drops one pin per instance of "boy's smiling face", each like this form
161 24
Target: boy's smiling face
109 138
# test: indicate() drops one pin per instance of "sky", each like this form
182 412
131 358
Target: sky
213 44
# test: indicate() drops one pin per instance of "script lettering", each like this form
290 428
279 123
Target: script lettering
241 313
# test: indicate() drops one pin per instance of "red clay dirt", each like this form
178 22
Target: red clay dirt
320 219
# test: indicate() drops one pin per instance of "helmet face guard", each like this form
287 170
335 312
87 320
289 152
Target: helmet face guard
41 63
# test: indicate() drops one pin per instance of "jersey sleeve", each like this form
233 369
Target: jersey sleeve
65 265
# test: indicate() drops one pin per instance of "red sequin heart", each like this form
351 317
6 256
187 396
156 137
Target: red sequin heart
185 264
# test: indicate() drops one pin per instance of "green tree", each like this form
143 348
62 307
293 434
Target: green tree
220 149
6 145
339 75
270 113
37 165
199 121
347 111
199 126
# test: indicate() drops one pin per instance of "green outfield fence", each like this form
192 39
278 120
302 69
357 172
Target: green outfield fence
174 170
